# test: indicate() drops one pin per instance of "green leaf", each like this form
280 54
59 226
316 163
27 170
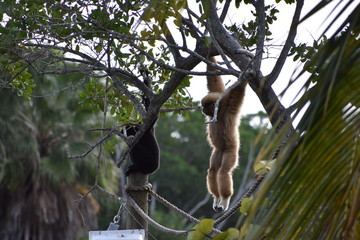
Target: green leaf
195 235
205 225
98 48
221 236
246 205
203 228
233 234
208 41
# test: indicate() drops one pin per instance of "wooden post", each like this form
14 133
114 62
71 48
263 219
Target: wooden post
133 219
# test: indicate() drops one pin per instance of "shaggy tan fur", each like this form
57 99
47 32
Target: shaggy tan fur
223 137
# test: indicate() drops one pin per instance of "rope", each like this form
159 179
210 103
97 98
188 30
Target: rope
173 207
130 213
251 190
152 222
228 213
148 188
145 188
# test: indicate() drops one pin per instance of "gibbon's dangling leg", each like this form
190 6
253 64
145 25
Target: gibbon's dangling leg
145 154
212 180
223 137
225 182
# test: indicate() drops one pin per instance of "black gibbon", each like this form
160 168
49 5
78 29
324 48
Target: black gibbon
145 154
223 137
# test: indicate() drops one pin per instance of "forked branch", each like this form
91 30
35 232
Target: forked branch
271 78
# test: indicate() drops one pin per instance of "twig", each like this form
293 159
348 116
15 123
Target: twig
271 78
61 90
218 48
102 133
163 110
225 10
101 140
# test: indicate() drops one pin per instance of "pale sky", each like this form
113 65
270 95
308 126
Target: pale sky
308 31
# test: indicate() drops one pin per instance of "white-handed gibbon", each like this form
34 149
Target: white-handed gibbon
223 137
145 154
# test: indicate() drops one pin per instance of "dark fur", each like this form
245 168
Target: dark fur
223 137
145 155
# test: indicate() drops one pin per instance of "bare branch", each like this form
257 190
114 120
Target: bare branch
225 10
230 46
175 52
163 110
261 31
92 147
183 71
219 49
182 32
271 78
115 74
227 42
61 90
194 31
123 89
292 108
98 167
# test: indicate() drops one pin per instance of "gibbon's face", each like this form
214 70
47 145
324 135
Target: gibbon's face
208 109
208 103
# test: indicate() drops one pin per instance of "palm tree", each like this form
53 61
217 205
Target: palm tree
39 185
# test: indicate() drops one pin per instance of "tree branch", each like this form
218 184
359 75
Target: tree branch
115 74
175 52
275 110
225 10
164 110
271 78
123 89
260 16
194 32
92 147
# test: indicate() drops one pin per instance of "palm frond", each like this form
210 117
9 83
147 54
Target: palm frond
313 192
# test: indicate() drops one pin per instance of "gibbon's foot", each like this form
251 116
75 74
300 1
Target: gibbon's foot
221 204
216 204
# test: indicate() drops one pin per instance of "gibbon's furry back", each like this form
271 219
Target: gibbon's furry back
223 137
145 154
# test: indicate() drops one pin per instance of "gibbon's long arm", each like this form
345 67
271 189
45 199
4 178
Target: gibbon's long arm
236 97
214 82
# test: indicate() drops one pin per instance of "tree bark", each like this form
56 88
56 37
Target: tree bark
230 46
133 219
